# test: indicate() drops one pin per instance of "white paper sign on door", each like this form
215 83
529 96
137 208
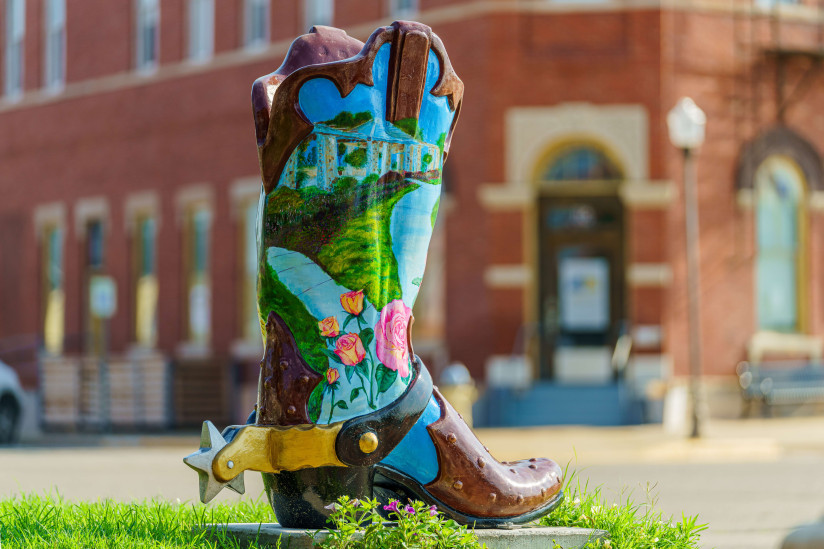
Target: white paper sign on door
584 293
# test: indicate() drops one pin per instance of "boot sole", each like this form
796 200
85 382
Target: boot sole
389 482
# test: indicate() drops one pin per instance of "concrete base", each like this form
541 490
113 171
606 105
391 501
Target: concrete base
517 538
809 536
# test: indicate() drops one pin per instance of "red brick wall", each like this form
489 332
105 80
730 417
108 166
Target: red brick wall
527 60
97 44
735 84
169 131
229 25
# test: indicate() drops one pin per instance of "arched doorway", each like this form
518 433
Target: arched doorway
581 261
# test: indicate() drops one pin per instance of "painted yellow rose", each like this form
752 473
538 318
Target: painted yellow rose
349 349
329 327
332 375
352 302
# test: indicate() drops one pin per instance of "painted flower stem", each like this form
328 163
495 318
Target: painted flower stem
363 386
372 367
331 405
373 364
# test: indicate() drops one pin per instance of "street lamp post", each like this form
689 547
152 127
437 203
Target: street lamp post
686 123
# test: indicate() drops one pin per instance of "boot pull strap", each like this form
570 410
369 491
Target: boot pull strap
367 439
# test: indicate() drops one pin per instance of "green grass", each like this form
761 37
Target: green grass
631 525
45 521
49 521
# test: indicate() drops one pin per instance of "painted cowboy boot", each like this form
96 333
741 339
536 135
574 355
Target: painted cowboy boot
351 139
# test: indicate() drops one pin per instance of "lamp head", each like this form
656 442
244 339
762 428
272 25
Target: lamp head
686 123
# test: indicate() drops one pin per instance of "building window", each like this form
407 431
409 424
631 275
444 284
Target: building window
15 35
319 12
780 223
249 319
403 8
54 64
771 4
581 162
197 282
94 242
94 262
201 29
255 23
147 34
145 287
52 288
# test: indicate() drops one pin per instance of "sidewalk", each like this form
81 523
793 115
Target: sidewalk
723 441
751 480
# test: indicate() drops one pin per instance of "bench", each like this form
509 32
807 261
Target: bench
775 383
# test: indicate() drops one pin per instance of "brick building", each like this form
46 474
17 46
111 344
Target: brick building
127 155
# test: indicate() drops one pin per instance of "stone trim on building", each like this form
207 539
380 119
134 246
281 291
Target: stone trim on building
504 197
143 203
192 194
86 209
647 194
50 214
649 274
779 140
241 192
764 343
507 276
622 130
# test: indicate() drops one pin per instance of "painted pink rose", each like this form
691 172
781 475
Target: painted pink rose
390 337
349 349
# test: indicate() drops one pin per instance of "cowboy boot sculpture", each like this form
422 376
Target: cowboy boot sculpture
351 141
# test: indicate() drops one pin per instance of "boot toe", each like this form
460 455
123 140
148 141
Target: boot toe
473 483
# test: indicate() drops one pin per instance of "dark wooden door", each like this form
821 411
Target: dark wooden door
581 287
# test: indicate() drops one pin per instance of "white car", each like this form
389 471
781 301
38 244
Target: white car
11 404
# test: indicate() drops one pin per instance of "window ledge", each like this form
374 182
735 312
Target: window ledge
247 349
192 349
137 350
765 342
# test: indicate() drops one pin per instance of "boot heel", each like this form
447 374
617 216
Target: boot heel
300 499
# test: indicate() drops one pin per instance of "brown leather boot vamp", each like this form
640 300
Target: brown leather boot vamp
471 481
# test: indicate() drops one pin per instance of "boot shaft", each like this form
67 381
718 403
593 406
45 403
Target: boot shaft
351 140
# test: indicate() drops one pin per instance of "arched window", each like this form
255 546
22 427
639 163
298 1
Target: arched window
780 189
578 162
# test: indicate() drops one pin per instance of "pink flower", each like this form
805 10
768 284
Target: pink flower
433 510
349 349
409 509
393 506
390 337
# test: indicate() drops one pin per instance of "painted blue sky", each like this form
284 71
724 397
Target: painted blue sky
320 99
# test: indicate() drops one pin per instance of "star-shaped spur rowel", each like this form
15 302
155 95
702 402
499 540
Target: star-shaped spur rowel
211 442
